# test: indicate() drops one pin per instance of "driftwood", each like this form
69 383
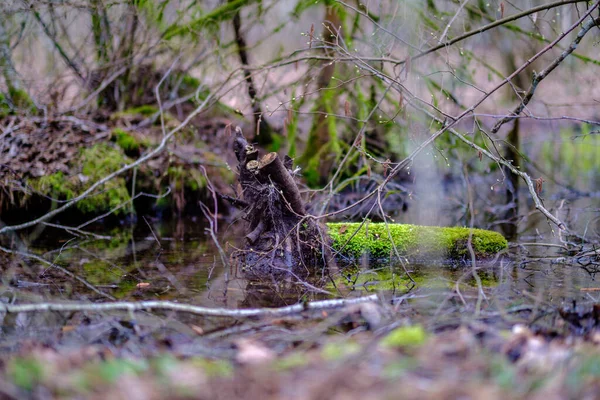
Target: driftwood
281 238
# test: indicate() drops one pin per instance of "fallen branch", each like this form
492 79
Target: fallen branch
187 308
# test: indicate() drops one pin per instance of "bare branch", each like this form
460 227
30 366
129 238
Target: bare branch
187 308
538 77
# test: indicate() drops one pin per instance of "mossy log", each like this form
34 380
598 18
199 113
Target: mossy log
353 240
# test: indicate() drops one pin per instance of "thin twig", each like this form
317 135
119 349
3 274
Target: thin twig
537 78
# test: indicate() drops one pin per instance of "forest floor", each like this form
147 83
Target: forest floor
371 351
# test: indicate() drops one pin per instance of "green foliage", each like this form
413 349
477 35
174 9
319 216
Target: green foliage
405 336
99 272
587 370
145 111
291 361
216 368
15 99
276 143
302 6
323 139
25 372
219 14
378 239
126 141
338 350
181 177
57 185
112 370
574 156
98 162
503 373
400 367
292 124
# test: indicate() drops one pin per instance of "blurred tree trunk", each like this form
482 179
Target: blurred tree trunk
15 95
321 145
263 131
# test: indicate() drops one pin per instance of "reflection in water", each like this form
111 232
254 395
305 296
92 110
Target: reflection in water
178 262
137 264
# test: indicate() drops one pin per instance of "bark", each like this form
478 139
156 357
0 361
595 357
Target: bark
281 238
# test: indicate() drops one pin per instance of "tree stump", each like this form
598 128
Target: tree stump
281 238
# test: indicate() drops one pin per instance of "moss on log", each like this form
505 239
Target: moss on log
413 241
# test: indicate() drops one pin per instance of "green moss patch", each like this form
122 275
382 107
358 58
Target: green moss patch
128 142
404 336
145 111
413 241
94 163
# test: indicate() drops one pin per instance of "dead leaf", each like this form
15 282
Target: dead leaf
539 185
197 329
252 352
386 167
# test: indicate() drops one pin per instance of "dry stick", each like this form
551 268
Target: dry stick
462 5
107 178
74 230
537 78
187 308
212 230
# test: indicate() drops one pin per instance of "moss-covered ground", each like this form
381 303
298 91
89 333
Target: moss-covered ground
92 164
